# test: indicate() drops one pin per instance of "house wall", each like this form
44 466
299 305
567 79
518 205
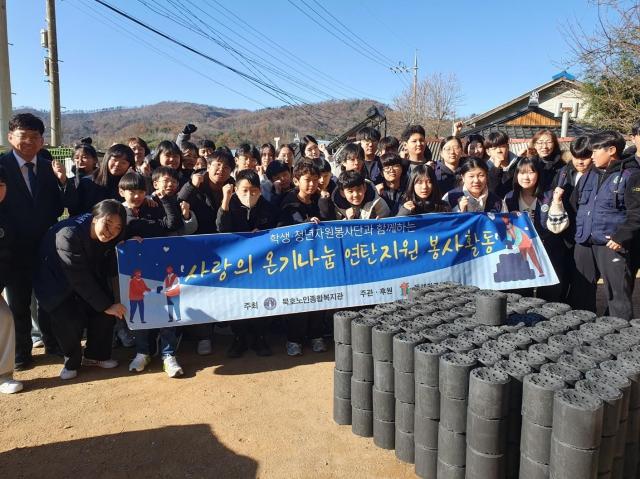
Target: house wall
549 98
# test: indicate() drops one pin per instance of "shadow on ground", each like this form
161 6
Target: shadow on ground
167 452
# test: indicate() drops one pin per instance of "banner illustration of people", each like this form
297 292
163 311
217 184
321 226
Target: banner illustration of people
335 264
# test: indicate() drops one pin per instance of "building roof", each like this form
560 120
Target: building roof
526 122
562 77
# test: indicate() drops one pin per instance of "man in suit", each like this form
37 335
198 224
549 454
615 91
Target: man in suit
38 193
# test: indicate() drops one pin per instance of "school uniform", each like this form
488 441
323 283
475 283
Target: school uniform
487 203
372 206
204 202
292 212
90 193
394 198
373 170
608 208
242 219
445 177
30 211
500 180
429 206
72 285
153 222
549 221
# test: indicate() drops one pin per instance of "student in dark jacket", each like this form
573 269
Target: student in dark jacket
116 162
301 206
37 197
447 166
7 328
474 195
71 284
607 222
85 162
169 154
368 138
147 221
422 194
418 153
277 184
204 191
394 184
501 163
545 147
246 211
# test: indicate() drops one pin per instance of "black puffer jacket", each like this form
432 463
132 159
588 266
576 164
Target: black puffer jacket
241 219
73 263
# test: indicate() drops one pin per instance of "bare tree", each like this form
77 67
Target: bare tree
434 104
609 56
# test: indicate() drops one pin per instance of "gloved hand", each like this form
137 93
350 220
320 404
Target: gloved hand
189 128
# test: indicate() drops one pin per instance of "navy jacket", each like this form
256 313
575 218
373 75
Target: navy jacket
154 222
240 219
29 217
204 202
445 178
73 263
492 205
609 204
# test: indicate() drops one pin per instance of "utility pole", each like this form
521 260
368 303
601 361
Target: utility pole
415 84
5 77
51 69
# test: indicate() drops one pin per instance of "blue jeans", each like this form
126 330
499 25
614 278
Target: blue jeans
173 306
168 341
139 304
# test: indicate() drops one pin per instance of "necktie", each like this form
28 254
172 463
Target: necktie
32 178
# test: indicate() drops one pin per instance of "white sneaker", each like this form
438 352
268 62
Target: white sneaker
10 386
66 374
38 343
318 345
171 367
294 349
204 347
139 362
106 364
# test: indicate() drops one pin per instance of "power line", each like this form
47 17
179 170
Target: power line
269 89
352 32
240 56
333 34
258 34
100 17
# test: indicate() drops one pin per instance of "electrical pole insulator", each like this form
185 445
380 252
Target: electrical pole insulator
46 67
44 38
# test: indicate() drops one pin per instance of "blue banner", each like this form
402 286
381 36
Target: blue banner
337 264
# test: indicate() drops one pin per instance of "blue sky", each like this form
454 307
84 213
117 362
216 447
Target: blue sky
497 49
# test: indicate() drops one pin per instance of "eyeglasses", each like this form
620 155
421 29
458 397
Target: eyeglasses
391 167
544 143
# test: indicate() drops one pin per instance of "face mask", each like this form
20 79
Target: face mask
248 200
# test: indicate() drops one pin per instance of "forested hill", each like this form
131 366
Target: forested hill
164 120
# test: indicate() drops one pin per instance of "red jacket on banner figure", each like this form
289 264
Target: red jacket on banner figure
137 289
172 292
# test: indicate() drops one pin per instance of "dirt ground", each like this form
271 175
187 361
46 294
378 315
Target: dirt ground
244 418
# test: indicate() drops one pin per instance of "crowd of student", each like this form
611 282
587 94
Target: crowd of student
585 205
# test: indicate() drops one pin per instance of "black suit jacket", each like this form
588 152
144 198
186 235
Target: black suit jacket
31 216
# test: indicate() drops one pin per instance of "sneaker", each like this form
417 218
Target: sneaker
261 347
106 364
139 362
38 343
126 338
204 347
294 349
318 345
22 364
66 374
171 367
237 348
10 386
